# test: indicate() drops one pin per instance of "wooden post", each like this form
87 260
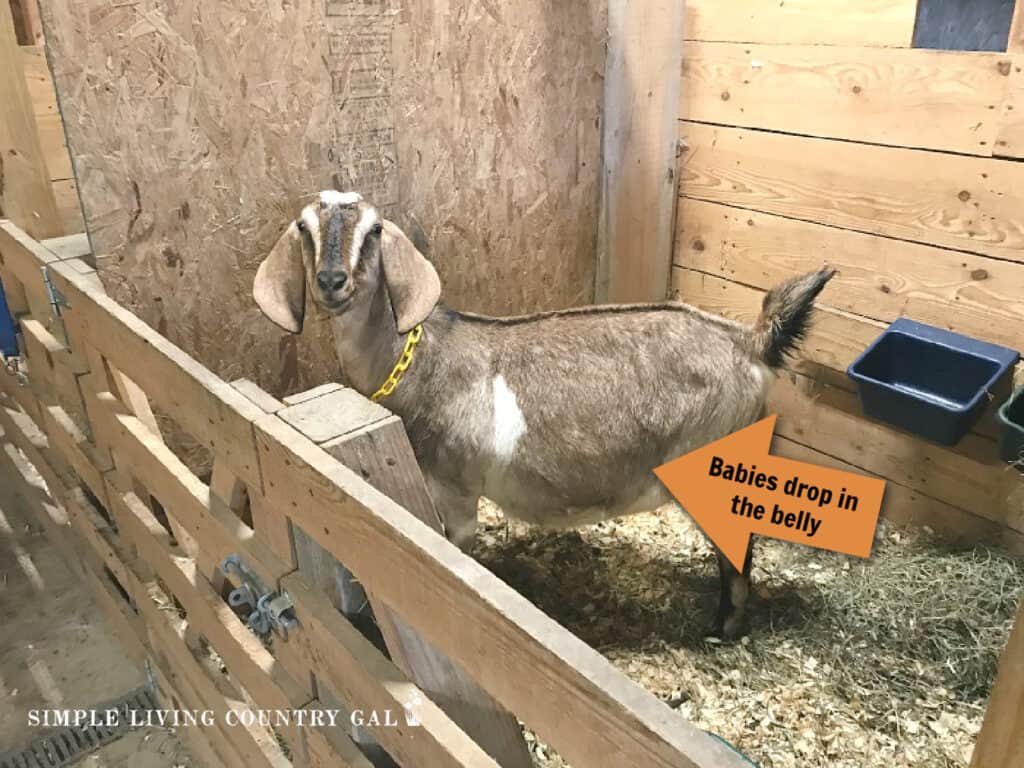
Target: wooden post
371 441
28 26
1015 43
1001 741
26 197
643 77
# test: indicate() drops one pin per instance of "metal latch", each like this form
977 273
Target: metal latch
12 366
57 299
267 610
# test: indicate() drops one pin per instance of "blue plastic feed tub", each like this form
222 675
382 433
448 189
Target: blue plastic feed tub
928 381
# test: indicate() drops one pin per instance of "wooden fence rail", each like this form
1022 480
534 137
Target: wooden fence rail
150 537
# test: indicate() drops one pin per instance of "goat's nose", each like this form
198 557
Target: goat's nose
330 282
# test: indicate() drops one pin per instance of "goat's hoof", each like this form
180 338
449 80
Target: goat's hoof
727 629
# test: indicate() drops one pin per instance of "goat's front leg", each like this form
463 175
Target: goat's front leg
457 510
729 622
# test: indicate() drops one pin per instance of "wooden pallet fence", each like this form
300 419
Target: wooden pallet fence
297 489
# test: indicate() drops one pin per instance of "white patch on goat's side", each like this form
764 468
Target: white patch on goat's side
366 221
509 424
334 197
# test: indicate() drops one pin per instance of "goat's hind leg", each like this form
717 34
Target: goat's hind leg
729 621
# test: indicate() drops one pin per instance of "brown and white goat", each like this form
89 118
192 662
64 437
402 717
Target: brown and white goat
559 417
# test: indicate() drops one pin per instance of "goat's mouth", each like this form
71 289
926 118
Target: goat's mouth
337 305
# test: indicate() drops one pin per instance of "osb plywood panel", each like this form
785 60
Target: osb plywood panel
498 108
197 130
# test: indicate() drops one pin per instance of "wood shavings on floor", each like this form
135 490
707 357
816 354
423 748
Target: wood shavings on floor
880 663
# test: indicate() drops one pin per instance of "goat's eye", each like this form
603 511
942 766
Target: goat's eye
300 225
377 228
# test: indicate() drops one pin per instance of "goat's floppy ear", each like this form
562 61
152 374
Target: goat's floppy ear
413 284
280 284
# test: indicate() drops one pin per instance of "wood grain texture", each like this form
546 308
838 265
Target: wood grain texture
905 506
814 22
1010 135
834 340
38 80
371 441
357 672
812 418
26 196
1015 43
641 93
498 109
251 665
1001 741
878 278
953 201
474 126
536 669
175 382
69 207
901 97
28 26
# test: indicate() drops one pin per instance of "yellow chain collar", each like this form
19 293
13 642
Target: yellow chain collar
400 367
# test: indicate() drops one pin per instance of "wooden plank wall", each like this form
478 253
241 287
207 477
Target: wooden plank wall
813 133
51 137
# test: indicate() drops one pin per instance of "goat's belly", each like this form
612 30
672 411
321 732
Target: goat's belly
553 510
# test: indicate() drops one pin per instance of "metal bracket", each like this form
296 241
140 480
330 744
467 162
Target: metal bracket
268 610
57 299
12 367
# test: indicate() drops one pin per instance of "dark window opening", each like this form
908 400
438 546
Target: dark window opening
963 25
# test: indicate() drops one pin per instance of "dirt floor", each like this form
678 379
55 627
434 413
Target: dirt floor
849 663
55 652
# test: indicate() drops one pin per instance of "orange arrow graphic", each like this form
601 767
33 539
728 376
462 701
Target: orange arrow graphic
734 488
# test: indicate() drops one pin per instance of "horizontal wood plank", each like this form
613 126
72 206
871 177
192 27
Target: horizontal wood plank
953 201
54 146
355 670
127 625
1010 133
906 506
38 80
834 341
245 657
813 22
879 278
247 746
69 207
207 407
570 694
827 418
182 494
901 97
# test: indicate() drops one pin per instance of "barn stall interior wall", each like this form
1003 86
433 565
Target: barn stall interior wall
198 130
818 132
501 162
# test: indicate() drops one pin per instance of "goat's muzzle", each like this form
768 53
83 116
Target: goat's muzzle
330 284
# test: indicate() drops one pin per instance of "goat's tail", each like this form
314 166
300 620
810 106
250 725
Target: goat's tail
785 316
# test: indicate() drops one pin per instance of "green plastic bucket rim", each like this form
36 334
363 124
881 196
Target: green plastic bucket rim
1004 409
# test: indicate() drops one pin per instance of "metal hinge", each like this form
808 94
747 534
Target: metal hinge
267 610
57 299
